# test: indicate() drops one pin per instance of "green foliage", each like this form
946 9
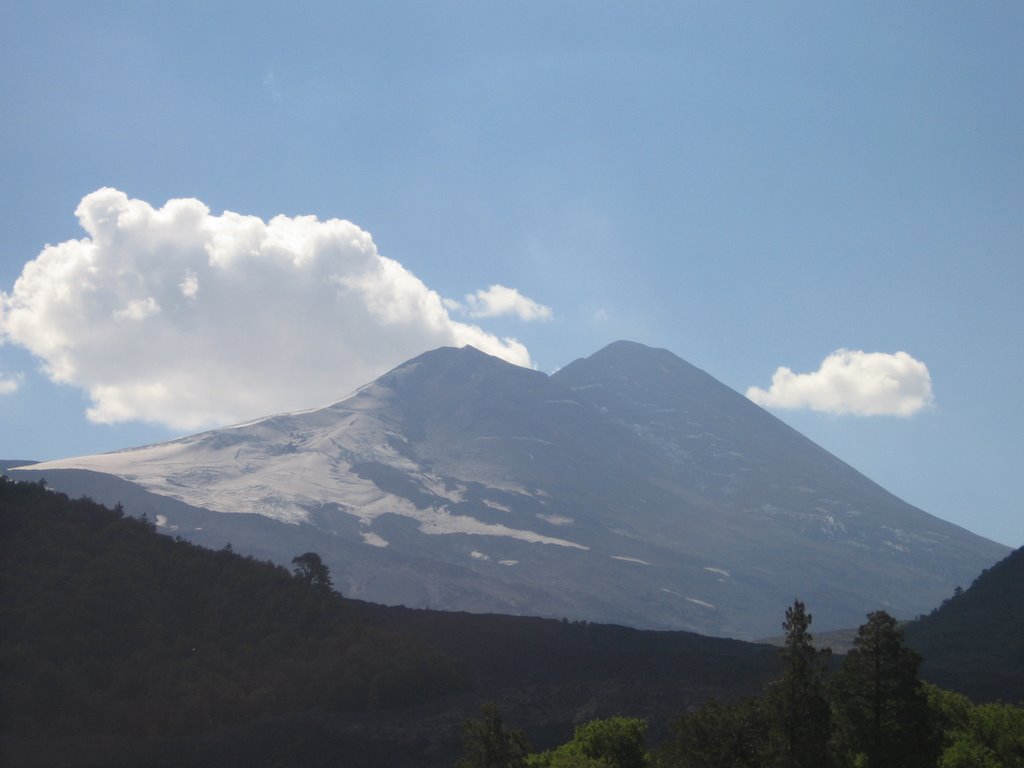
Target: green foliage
486 743
966 753
720 736
310 569
616 742
790 727
986 735
882 716
881 705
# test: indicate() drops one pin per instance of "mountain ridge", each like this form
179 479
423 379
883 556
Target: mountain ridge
628 487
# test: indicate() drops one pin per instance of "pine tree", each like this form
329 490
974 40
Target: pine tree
802 722
881 702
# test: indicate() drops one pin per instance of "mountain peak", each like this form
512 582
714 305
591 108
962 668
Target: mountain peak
457 364
625 346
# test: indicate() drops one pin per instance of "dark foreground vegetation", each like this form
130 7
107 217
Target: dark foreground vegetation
122 647
873 712
974 643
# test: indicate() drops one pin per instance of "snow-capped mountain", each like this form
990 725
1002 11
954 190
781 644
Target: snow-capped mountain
628 487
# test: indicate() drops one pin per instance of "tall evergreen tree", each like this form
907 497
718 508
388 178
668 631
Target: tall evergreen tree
801 715
881 702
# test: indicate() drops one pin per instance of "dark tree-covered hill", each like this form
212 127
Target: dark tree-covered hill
974 642
108 627
119 646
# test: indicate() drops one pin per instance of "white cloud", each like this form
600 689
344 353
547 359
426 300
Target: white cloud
499 300
189 284
853 382
178 316
9 384
138 309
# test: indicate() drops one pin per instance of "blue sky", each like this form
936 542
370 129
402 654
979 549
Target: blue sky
750 185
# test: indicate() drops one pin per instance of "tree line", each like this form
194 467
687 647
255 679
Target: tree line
871 712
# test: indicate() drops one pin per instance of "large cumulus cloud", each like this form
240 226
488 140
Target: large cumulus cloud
178 316
853 382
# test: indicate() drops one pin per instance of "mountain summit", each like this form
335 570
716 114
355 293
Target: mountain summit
628 487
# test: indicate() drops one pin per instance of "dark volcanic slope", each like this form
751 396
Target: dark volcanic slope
630 487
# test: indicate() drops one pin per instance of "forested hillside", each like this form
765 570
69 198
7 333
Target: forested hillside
116 639
109 627
974 642
122 647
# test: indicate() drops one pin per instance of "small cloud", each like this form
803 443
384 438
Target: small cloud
9 384
272 87
499 300
189 284
853 382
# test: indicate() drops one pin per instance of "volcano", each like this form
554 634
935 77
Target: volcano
629 487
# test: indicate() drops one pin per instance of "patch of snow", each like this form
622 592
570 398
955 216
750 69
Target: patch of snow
905 536
496 505
830 525
479 555
436 521
514 437
555 519
508 562
625 559
436 486
505 487
702 603
373 539
280 469
721 571
671 591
